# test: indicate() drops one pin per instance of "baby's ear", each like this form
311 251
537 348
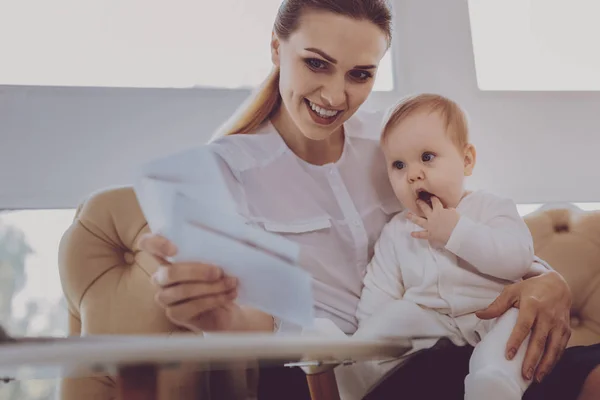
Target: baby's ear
470 156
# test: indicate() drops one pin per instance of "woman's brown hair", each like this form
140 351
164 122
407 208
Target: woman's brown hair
266 100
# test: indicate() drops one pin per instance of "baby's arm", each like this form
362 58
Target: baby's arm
500 246
383 280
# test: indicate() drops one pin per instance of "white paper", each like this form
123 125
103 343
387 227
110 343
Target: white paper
235 227
156 199
184 198
195 173
266 282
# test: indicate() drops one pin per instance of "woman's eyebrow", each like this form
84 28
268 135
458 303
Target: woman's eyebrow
334 61
322 54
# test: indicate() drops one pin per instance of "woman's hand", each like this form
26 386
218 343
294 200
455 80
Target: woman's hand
196 296
544 304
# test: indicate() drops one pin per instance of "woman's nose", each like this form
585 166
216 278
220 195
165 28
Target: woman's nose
333 94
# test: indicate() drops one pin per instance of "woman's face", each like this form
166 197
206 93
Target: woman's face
327 69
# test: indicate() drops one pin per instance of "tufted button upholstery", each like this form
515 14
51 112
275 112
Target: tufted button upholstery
106 281
129 258
569 240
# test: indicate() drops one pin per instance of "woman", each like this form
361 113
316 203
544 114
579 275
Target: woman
303 163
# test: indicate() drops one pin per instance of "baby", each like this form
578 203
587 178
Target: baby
450 252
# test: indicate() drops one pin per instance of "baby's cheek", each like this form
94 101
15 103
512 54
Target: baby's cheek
403 195
455 190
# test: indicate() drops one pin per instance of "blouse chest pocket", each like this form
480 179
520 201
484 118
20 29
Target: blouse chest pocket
311 232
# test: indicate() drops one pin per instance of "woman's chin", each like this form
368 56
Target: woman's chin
317 132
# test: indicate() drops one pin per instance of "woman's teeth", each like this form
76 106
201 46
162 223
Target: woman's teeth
323 112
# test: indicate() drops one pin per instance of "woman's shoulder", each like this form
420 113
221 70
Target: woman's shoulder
245 151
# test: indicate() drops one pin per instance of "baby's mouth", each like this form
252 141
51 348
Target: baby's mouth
425 196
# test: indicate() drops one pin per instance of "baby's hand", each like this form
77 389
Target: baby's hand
438 223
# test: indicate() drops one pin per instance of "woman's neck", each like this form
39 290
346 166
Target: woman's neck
317 152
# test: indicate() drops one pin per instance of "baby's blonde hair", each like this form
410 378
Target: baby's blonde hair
454 117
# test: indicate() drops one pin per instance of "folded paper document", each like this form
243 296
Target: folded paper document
185 199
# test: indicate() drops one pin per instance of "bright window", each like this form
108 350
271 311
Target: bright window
31 297
536 45
141 43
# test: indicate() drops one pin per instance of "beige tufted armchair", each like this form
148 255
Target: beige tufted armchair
106 281
569 240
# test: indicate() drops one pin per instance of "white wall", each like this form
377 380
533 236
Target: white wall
59 144
533 146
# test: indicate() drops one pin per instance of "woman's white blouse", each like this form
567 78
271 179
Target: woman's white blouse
335 212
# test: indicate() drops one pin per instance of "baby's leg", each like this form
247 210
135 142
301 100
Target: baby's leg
398 318
491 375
403 318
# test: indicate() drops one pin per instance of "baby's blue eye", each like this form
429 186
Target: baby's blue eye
398 164
427 157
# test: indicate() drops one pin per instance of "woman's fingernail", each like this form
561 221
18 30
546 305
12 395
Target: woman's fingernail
212 274
529 374
511 353
230 282
159 276
171 250
541 376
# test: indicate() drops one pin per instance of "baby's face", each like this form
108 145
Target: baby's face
422 160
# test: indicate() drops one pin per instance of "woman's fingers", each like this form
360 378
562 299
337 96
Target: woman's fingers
157 245
555 346
166 275
175 294
192 308
519 333
506 300
537 345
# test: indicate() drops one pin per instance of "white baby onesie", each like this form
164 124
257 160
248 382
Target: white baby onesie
414 288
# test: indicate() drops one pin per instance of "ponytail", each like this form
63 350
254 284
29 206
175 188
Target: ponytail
256 110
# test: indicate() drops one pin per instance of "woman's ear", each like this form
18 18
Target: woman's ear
470 158
275 49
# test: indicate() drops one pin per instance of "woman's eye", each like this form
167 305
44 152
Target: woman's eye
427 157
315 63
398 164
361 75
